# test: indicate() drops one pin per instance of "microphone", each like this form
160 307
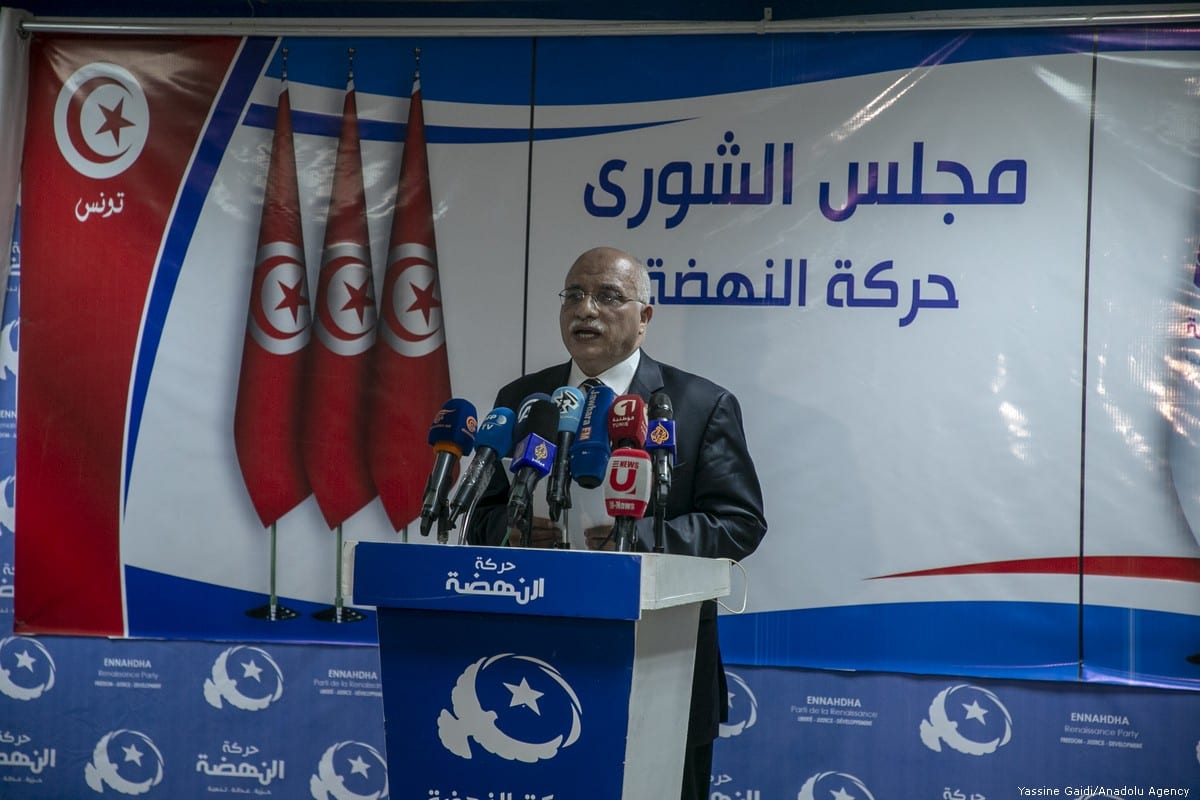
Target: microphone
660 444
492 443
533 458
627 421
570 410
589 454
452 436
627 493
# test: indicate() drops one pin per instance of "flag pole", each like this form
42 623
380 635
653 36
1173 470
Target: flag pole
273 611
338 611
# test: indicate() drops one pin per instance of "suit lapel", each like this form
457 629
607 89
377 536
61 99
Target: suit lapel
648 378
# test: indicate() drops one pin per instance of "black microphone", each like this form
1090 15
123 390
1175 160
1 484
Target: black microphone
570 409
533 458
492 443
660 444
660 441
452 436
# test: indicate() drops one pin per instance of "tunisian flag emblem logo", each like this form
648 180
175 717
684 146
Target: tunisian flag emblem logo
279 308
412 303
101 120
346 318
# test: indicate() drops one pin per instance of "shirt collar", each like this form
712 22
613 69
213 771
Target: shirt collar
618 377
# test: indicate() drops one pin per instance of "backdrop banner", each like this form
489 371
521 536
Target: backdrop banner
951 277
306 721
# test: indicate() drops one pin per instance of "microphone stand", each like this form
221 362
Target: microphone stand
562 508
465 522
444 526
660 519
526 530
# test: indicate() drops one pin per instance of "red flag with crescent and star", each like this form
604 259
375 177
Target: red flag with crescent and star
113 125
411 371
266 421
344 313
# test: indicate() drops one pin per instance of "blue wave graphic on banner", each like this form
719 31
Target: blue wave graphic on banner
259 115
179 236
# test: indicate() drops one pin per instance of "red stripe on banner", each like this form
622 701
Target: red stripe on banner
412 374
112 123
1165 568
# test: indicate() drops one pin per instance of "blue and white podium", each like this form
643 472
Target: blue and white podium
525 674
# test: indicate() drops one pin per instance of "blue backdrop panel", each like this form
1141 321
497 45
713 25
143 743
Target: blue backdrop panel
803 734
186 720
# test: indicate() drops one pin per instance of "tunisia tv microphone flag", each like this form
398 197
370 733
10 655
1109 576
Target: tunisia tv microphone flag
266 421
412 375
334 419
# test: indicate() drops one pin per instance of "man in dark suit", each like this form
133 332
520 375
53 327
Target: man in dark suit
715 506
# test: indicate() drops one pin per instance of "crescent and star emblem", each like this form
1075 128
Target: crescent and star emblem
101 120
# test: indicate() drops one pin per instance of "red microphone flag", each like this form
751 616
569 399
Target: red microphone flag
266 421
334 427
412 374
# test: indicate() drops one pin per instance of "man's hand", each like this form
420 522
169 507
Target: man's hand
599 537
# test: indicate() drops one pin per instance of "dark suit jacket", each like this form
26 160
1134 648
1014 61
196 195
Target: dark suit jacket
715 507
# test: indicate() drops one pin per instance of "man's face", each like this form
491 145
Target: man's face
598 336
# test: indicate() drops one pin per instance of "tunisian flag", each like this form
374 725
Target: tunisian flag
334 426
412 376
119 118
266 422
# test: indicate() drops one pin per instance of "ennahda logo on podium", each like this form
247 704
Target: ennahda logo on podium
512 672
541 707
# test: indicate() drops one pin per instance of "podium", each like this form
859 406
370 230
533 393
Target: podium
527 674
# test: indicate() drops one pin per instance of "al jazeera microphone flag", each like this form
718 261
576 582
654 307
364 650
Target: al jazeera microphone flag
334 430
411 376
267 417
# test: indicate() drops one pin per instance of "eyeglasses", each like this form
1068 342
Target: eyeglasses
605 298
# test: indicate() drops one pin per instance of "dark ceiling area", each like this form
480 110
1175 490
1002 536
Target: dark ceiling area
663 10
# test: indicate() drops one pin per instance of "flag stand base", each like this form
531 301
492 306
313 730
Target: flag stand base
339 614
272 613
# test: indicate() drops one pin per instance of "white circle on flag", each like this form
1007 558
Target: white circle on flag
412 310
280 313
346 312
101 120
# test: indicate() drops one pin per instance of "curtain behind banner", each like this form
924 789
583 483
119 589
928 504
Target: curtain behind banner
14 76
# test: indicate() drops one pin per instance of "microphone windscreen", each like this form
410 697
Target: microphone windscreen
536 414
496 431
453 428
589 453
593 426
660 406
570 408
627 421
627 490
